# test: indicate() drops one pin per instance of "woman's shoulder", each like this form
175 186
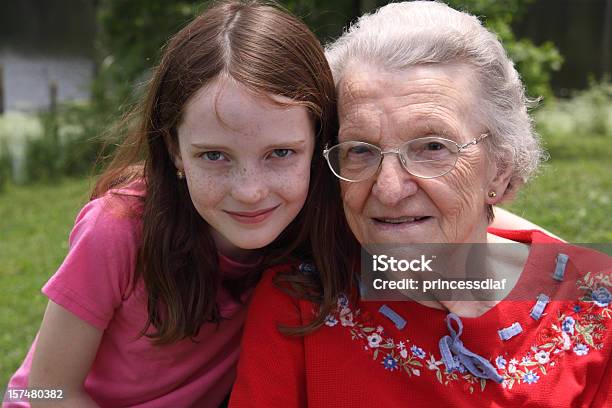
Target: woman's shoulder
585 257
274 275
524 236
282 283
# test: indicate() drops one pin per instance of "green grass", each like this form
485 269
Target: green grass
571 198
34 225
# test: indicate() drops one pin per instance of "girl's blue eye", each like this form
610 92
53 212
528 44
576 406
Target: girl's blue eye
213 156
282 153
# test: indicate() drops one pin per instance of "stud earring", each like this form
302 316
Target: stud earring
180 175
492 194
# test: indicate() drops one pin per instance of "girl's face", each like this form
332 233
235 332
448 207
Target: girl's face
246 161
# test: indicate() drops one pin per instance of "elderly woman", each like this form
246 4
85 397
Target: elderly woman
434 131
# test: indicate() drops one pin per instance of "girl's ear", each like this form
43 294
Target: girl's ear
173 151
178 162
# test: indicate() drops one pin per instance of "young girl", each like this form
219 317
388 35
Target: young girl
148 306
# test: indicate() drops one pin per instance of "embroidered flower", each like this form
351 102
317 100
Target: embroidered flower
582 327
581 349
331 321
374 340
500 362
432 364
346 317
417 351
568 325
390 363
542 357
530 377
567 343
601 296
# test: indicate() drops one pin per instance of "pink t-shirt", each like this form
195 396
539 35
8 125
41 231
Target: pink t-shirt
95 283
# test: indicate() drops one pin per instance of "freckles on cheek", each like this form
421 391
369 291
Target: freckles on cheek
206 190
293 182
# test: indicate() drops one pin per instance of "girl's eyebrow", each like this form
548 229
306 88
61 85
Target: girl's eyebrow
279 145
208 146
276 145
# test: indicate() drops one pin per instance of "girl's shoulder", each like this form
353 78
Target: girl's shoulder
113 214
98 273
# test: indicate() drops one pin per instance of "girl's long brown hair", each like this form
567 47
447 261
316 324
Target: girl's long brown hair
268 51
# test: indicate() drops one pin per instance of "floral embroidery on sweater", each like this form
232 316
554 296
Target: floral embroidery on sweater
579 329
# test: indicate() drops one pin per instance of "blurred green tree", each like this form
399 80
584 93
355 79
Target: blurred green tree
130 35
535 63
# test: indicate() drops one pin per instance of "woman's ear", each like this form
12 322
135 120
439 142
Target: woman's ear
499 187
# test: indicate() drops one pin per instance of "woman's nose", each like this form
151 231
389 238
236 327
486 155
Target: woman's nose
393 183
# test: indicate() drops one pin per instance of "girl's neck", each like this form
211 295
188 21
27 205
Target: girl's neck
231 251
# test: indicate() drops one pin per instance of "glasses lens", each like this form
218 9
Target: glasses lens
354 161
429 156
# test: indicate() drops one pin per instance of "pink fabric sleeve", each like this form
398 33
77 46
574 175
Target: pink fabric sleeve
99 267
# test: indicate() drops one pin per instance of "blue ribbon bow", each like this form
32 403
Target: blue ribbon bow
454 354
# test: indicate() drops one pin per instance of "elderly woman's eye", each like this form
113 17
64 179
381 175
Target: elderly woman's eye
434 146
358 151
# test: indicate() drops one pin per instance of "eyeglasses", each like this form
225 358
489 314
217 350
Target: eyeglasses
425 157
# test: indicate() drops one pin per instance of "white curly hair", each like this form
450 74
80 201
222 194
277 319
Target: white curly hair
401 35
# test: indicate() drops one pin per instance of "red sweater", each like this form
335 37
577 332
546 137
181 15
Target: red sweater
361 359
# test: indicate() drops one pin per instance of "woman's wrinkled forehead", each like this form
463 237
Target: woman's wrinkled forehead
415 96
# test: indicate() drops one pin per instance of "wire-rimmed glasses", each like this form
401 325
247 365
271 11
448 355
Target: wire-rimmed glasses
425 157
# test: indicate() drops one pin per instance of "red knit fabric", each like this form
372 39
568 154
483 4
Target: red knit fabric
360 359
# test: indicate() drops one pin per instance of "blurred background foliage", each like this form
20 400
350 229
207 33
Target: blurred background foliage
128 36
